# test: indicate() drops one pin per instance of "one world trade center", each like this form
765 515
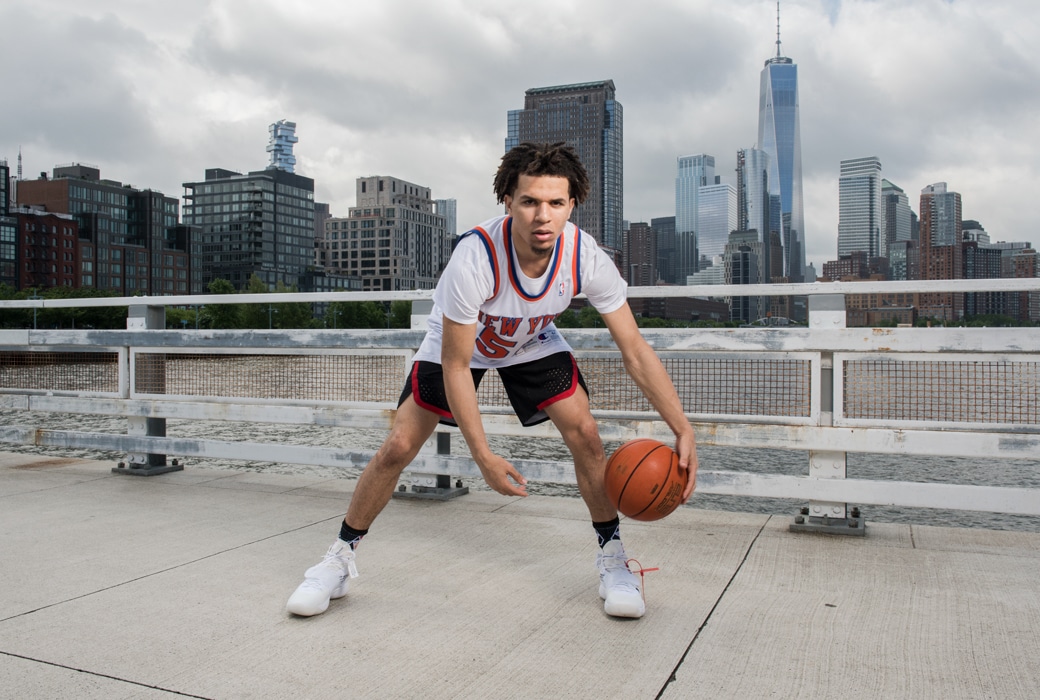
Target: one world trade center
779 135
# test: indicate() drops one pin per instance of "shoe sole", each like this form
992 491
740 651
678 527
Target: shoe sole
303 611
632 609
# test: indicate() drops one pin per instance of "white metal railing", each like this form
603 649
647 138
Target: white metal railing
990 412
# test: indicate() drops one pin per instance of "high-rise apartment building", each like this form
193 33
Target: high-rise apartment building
692 173
897 216
943 214
259 223
860 211
940 249
640 255
393 239
129 240
587 117
779 135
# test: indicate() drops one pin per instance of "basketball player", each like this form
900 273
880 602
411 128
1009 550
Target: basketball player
493 308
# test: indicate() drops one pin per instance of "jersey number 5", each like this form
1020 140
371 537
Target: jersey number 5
490 344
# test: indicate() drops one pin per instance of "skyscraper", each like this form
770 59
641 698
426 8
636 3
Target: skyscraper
860 211
587 117
941 256
758 210
897 214
692 173
716 218
664 229
779 135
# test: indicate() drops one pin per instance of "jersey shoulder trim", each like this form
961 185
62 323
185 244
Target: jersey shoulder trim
489 248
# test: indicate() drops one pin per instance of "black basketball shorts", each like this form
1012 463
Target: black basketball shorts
530 386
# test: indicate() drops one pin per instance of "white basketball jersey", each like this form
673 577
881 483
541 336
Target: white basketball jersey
483 284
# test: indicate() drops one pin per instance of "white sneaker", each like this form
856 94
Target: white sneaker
618 586
324 581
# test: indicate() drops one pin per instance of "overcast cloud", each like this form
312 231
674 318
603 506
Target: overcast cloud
155 93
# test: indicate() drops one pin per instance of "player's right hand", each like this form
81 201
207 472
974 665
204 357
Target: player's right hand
497 474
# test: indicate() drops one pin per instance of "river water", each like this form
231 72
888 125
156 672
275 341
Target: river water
1011 473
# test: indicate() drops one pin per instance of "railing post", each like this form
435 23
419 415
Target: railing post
828 311
435 487
146 463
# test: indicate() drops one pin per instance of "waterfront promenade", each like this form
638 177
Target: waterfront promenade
174 586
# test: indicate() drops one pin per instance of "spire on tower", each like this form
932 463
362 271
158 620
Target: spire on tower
778 53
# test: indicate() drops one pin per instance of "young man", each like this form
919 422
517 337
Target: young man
493 309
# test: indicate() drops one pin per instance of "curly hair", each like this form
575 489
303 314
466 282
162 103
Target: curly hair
556 159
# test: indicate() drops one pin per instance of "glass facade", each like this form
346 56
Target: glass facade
897 221
716 218
779 134
860 212
942 209
261 223
664 229
692 173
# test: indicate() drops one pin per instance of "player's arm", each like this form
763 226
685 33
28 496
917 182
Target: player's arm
649 374
456 350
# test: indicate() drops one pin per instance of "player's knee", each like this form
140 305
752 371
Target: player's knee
586 436
395 454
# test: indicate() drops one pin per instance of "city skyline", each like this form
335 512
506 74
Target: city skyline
938 91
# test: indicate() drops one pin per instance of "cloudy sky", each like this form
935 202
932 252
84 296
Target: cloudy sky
156 92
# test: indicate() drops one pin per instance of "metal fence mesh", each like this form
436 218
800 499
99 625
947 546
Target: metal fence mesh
60 371
764 387
946 391
294 377
714 385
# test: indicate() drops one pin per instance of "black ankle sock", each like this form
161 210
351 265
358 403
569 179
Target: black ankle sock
350 535
610 530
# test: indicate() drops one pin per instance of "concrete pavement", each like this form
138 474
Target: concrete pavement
175 585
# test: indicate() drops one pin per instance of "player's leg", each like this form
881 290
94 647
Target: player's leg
618 587
573 418
412 427
330 578
553 387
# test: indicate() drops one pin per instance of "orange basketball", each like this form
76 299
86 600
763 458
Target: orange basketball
644 480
